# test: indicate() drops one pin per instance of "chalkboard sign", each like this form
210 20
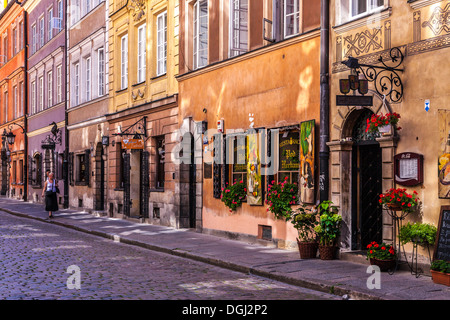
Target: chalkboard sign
442 246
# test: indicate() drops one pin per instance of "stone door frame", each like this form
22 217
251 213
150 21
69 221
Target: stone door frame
341 166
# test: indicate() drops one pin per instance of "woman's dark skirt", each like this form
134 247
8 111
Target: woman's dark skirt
51 201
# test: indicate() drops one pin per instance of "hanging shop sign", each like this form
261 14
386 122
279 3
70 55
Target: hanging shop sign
408 169
307 143
133 144
254 181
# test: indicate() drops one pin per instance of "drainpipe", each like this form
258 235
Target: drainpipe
25 103
66 118
324 153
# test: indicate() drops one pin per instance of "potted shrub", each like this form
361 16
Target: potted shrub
233 195
305 220
423 234
399 199
281 196
328 230
382 255
440 272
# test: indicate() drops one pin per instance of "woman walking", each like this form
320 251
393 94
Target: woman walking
51 202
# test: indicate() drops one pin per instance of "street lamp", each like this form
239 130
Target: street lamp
10 137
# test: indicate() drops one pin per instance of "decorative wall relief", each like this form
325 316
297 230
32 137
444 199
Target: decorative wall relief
363 42
439 20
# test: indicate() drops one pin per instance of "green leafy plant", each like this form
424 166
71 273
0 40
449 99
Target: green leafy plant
440 266
422 233
329 227
380 251
233 195
305 219
280 198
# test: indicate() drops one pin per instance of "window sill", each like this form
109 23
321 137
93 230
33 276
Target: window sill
365 20
157 77
156 190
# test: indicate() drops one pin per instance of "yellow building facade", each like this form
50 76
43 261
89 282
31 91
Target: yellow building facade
419 31
143 63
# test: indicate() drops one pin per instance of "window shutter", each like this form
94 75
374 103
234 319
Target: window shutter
39 172
30 170
145 184
71 168
87 162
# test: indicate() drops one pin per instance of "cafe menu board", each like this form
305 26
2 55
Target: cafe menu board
289 151
442 245
408 169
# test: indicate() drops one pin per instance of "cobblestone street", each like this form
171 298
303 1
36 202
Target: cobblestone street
35 258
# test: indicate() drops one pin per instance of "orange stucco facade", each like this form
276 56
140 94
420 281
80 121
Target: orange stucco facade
279 86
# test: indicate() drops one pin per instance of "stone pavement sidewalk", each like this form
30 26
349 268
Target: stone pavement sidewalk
337 276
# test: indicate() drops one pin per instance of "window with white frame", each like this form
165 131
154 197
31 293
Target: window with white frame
124 62
200 33
14 40
50 23
15 102
88 68
76 99
5 48
41 93
59 84
60 15
238 27
49 89
75 11
21 35
291 18
33 97
41 32
6 106
361 7
101 72
141 69
21 98
34 38
161 51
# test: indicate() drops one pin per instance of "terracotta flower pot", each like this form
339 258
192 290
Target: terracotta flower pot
307 250
327 252
441 277
384 265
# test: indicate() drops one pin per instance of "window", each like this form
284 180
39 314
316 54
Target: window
200 33
14 40
5 48
21 98
88 6
50 24
88 78
15 102
141 54
289 156
124 62
77 84
21 171
14 172
238 169
21 36
34 38
291 17
160 159
33 97
41 32
41 93
239 27
361 7
6 106
101 72
161 51
81 168
49 89
75 11
60 15
59 84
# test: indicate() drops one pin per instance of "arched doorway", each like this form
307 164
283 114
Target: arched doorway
367 215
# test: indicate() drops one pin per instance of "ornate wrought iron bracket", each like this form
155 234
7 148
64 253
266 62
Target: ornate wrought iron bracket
51 140
386 78
136 130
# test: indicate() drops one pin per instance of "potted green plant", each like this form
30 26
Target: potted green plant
440 272
423 234
328 230
382 255
233 195
305 219
281 196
